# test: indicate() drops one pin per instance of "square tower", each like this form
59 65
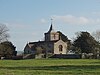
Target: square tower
51 35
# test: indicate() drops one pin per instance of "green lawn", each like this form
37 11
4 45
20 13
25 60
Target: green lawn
50 67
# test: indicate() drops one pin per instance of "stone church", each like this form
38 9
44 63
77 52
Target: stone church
54 43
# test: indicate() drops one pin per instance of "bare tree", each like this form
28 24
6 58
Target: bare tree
3 32
96 35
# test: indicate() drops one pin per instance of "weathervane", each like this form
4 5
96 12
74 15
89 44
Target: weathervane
51 21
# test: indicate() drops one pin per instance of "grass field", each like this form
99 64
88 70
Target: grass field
50 67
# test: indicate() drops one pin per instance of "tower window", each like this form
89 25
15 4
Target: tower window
60 48
54 36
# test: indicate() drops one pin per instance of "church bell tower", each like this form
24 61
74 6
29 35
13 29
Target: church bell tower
51 35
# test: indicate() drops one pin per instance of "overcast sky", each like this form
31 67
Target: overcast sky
28 20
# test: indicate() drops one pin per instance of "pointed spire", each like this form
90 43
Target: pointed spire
51 24
51 27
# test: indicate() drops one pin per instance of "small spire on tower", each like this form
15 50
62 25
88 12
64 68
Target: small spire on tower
51 27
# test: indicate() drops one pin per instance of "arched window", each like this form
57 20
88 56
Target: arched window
60 48
54 36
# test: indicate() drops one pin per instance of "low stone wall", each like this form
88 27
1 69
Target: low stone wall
67 56
28 56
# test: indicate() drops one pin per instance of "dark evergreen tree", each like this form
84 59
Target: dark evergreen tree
85 43
7 49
